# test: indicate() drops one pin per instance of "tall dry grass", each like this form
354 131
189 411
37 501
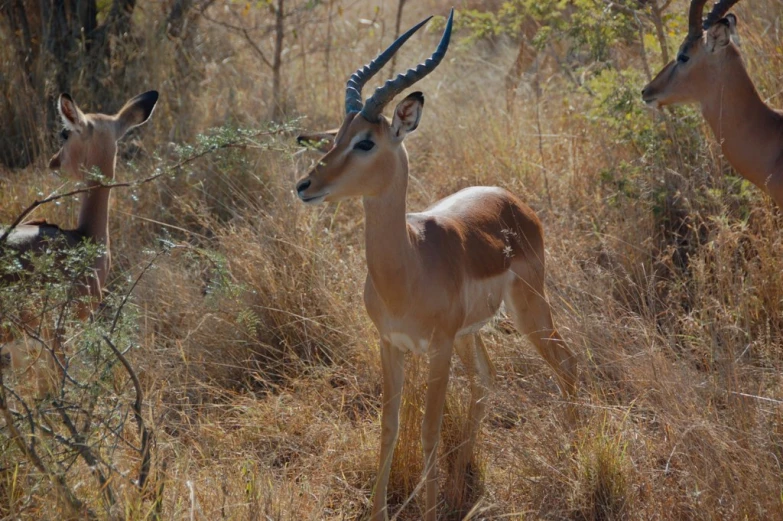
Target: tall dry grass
261 367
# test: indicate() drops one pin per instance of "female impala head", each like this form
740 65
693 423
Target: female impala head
90 140
366 152
701 60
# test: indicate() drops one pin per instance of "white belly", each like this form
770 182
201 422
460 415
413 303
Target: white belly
480 301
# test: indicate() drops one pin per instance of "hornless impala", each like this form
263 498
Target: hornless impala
435 277
89 143
709 70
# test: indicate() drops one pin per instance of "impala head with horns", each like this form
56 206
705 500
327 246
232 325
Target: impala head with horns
366 152
700 62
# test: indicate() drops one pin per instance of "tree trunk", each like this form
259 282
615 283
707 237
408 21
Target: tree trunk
120 16
20 25
86 22
176 21
656 12
397 22
277 110
56 39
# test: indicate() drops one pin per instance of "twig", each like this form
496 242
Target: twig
81 447
761 398
58 481
244 32
28 416
130 290
146 434
642 50
45 345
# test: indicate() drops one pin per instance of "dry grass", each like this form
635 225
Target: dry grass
261 367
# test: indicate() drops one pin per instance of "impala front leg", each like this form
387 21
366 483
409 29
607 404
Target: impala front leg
392 365
437 382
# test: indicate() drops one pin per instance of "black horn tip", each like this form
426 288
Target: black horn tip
447 31
363 74
383 95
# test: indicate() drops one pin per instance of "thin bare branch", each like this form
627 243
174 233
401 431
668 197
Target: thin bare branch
76 506
80 445
146 434
244 33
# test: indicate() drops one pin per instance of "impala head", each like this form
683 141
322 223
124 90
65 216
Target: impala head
362 154
90 140
700 60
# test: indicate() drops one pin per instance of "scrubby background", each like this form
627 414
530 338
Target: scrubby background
259 364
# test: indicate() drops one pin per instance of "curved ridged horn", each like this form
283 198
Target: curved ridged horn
694 19
353 89
391 88
718 10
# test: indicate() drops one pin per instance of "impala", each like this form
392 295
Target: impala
434 277
89 145
709 70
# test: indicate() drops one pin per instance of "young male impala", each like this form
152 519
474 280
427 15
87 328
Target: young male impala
434 277
709 70
89 144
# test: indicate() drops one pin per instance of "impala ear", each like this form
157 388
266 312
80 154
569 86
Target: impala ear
322 141
72 117
721 33
407 115
136 111
732 19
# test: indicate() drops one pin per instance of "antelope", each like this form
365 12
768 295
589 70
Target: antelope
709 70
436 277
89 143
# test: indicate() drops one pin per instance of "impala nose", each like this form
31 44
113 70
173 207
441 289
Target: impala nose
302 185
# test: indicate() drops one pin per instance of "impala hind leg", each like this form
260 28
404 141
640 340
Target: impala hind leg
530 311
392 364
481 373
437 383
473 354
775 190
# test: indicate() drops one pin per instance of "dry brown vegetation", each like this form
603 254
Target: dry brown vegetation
260 366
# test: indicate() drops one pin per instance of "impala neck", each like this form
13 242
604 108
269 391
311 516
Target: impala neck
740 120
94 224
94 213
388 245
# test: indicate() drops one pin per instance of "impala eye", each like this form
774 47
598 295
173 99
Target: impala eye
682 58
64 134
364 144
